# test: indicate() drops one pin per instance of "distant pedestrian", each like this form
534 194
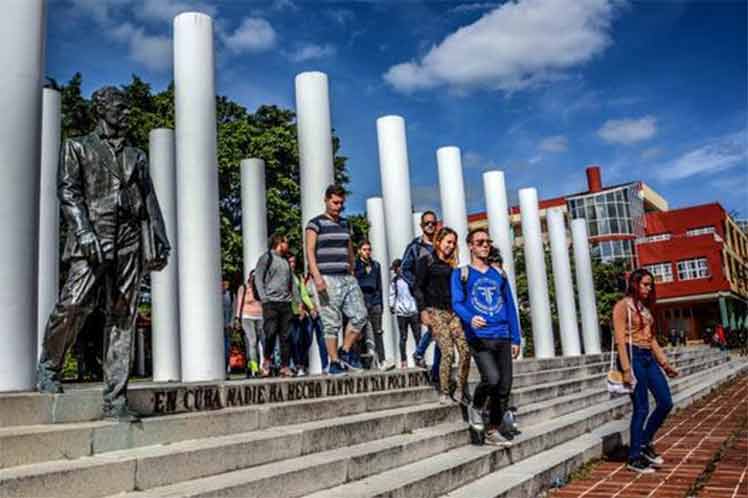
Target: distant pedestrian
404 308
275 288
641 359
228 321
673 337
315 322
682 337
249 315
368 272
433 294
329 254
301 306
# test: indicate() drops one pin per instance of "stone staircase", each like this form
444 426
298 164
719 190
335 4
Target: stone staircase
367 435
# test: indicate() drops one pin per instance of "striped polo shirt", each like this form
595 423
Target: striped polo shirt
332 244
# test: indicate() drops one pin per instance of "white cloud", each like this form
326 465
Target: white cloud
472 7
284 5
515 46
717 155
254 34
311 51
166 10
629 130
152 51
425 197
555 143
100 10
341 16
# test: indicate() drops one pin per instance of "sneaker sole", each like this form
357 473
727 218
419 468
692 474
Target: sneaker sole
648 470
658 463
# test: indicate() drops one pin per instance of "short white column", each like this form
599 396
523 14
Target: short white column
201 307
452 194
49 211
417 230
379 251
395 174
165 348
537 280
565 304
314 127
254 213
585 286
22 35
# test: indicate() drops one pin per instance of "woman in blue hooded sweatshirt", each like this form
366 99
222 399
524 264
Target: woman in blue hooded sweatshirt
483 300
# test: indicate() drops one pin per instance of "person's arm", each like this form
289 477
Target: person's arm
620 326
393 293
260 271
407 266
238 302
311 255
511 309
351 257
661 358
458 297
378 279
421 277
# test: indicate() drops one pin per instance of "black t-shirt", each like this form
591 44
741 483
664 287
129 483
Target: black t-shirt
433 281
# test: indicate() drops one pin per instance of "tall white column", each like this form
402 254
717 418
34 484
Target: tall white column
201 314
165 348
452 194
585 286
254 213
378 239
417 231
537 280
49 211
497 211
565 304
395 174
22 34
315 142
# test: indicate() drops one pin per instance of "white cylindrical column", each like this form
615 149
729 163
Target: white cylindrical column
165 348
452 194
395 174
537 280
585 286
49 211
379 251
565 304
417 230
315 142
254 213
22 34
497 211
201 315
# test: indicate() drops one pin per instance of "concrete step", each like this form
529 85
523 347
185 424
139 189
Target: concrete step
82 402
25 445
536 474
433 476
291 478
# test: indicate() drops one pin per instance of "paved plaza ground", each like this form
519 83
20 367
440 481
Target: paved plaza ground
705 447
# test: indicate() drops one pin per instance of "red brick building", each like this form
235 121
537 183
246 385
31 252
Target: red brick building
699 257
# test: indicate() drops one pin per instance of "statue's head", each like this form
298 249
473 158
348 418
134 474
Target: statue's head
110 105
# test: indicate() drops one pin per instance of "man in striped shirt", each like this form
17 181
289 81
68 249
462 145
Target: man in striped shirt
330 258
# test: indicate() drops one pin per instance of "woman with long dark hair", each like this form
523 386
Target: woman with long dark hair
433 294
642 361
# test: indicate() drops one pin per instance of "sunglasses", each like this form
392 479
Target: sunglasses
428 224
483 242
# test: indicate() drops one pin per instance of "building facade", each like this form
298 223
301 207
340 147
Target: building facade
699 257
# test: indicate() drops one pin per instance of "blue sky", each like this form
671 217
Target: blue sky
538 88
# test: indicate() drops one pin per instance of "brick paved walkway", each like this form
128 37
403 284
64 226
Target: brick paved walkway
688 442
730 477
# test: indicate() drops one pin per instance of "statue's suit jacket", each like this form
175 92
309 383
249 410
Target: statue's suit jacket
100 193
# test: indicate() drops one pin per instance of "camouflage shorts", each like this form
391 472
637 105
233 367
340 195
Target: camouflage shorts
344 299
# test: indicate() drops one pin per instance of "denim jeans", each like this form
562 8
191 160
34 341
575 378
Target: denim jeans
300 341
649 378
423 344
315 328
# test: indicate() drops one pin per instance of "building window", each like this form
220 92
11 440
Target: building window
690 269
700 231
658 237
611 250
663 272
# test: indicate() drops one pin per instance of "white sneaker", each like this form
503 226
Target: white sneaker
301 373
444 399
493 438
387 365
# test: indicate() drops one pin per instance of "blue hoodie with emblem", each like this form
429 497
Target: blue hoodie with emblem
486 294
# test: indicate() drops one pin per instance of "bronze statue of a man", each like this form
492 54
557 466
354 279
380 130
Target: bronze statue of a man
116 234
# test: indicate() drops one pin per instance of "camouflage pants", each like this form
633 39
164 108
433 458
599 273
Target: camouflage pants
116 283
344 298
447 331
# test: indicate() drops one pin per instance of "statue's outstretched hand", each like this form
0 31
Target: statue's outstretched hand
90 247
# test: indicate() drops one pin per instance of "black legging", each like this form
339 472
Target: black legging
402 326
494 360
